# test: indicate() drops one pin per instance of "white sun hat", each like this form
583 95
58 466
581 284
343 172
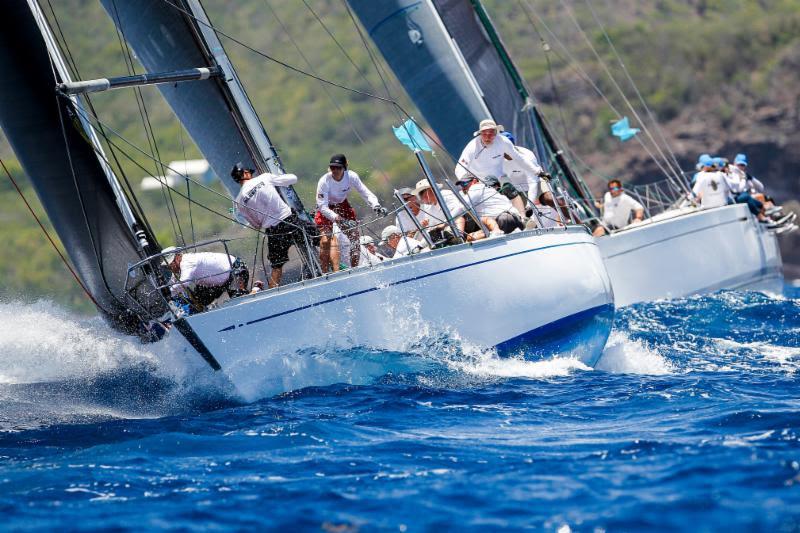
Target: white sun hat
488 124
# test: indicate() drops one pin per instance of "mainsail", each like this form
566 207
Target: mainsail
61 155
454 67
175 35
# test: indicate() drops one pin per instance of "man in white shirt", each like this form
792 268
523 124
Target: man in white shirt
712 188
203 277
486 153
261 205
618 206
369 252
432 216
402 220
536 187
402 245
332 206
489 203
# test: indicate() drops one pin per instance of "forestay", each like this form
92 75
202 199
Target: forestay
63 160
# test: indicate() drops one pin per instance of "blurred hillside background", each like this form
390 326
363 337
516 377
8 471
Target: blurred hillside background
722 76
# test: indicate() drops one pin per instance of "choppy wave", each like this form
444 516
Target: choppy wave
688 422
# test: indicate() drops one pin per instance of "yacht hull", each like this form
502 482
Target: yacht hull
531 294
692 253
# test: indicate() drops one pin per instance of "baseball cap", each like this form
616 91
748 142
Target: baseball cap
338 160
421 186
366 239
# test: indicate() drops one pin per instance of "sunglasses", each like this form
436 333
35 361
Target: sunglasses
614 188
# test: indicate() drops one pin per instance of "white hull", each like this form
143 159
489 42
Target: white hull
532 294
693 252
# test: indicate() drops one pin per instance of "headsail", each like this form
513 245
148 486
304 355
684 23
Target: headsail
176 35
59 151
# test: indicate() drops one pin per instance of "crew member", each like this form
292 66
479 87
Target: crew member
402 245
203 277
332 206
711 187
369 252
485 154
262 206
618 206
490 204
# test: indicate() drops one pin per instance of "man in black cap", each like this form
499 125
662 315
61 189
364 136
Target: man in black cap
333 207
261 205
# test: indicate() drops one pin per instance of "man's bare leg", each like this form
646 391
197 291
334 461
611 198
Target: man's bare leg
275 277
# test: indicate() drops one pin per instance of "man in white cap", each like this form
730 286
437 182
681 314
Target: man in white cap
205 276
369 252
261 205
431 215
484 155
332 206
402 245
402 220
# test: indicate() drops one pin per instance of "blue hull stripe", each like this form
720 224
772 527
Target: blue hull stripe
401 282
556 332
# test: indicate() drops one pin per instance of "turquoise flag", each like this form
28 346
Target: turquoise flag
410 135
623 130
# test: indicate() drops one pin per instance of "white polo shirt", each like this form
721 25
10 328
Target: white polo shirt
330 191
617 210
488 202
208 269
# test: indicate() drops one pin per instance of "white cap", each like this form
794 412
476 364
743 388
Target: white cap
169 257
421 186
402 191
366 239
388 231
488 124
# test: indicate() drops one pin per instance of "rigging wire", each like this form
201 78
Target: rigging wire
635 88
575 64
325 88
148 127
49 238
611 77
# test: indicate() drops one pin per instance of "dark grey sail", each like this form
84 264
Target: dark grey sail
56 149
457 71
410 36
176 35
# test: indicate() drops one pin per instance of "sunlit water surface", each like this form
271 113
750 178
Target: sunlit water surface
689 422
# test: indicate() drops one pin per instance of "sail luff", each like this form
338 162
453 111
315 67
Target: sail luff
62 158
217 113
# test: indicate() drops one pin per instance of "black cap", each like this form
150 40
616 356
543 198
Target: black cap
339 159
238 170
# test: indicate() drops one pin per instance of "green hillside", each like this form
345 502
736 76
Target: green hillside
721 75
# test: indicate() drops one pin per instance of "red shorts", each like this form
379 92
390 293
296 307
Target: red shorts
343 209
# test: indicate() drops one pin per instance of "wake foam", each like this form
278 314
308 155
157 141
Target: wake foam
55 365
624 355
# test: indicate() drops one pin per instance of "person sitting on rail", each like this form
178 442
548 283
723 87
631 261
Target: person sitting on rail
261 205
402 245
704 158
741 186
618 206
432 216
535 186
333 206
204 276
402 220
369 252
711 187
485 154
490 204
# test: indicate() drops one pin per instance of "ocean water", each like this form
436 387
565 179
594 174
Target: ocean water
690 422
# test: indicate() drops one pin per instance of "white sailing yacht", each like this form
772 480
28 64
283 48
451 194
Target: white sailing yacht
454 66
530 294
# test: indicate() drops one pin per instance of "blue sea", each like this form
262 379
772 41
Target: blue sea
690 422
